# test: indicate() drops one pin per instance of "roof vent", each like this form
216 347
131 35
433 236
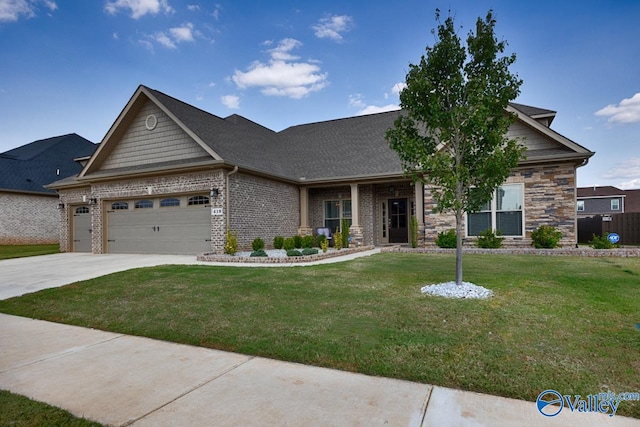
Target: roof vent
151 122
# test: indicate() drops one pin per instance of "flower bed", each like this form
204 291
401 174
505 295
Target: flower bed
278 258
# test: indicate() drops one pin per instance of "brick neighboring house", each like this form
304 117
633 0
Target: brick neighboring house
169 177
606 200
29 211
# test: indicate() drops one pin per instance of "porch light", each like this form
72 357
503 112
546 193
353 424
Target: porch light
93 201
214 193
60 205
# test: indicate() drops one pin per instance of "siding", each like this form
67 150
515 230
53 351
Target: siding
140 146
532 140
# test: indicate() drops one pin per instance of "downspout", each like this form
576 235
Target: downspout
226 195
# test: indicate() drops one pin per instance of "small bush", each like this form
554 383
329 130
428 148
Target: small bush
278 242
345 233
294 252
490 240
289 243
258 253
545 237
257 244
309 251
414 231
307 241
447 239
231 243
337 239
297 241
324 245
601 242
321 238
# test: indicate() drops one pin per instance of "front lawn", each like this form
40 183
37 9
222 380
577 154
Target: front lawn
18 251
564 323
21 411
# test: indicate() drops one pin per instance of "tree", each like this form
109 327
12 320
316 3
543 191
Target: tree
452 132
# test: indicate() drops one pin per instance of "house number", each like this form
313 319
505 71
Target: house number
216 211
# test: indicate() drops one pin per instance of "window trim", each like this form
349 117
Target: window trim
162 201
617 201
580 207
340 216
142 204
81 210
206 201
120 205
493 209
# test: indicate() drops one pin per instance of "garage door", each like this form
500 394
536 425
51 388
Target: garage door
81 229
168 225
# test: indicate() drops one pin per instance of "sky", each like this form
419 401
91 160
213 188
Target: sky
71 66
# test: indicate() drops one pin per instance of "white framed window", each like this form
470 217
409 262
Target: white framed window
119 206
505 213
334 212
143 204
198 200
169 202
615 204
580 205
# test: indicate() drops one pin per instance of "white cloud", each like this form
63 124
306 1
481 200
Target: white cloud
183 33
634 184
138 8
628 170
12 10
231 101
373 109
398 87
164 40
357 101
193 7
627 111
282 77
332 26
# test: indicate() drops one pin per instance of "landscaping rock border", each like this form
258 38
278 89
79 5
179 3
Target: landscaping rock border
210 257
586 252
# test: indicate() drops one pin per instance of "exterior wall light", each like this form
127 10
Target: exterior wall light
60 205
214 192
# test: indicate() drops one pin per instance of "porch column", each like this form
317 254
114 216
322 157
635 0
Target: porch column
304 228
355 231
419 204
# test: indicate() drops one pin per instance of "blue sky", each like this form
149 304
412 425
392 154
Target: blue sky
71 66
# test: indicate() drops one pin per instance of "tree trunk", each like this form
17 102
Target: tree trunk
459 247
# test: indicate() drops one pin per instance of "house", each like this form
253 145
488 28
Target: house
171 178
606 200
29 211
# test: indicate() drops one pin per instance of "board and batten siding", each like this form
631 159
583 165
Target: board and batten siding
141 146
532 140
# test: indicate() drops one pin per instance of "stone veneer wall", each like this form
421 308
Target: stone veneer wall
28 219
131 188
262 208
549 199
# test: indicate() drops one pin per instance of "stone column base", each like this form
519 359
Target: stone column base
305 231
357 236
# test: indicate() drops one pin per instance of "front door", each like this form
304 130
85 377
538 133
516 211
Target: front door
398 221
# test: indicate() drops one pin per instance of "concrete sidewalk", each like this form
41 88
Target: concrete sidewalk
124 380
120 380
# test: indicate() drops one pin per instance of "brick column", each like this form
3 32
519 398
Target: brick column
304 228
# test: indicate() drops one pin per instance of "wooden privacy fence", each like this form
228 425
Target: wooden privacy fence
626 225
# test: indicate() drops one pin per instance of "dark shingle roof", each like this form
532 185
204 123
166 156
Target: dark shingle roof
532 112
599 191
29 167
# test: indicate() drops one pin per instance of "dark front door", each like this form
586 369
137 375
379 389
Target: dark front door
398 222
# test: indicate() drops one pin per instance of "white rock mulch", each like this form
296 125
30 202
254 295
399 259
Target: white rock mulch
451 290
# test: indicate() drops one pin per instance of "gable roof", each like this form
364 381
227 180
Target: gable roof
342 149
27 169
604 191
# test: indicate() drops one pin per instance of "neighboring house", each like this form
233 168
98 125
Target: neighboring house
29 211
169 177
606 200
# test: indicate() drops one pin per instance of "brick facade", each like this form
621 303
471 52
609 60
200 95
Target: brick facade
28 219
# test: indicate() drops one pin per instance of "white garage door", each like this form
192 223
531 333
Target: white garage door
81 229
168 225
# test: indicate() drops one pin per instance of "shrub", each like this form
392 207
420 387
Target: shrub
258 253
337 239
307 241
447 239
257 244
414 231
545 237
324 245
278 242
602 242
490 240
309 251
289 243
231 243
321 238
294 252
345 233
297 241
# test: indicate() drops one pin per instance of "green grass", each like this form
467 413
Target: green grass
18 251
20 411
565 323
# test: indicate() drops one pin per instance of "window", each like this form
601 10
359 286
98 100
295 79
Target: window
580 205
198 200
334 212
171 201
144 204
82 210
615 204
119 206
503 213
